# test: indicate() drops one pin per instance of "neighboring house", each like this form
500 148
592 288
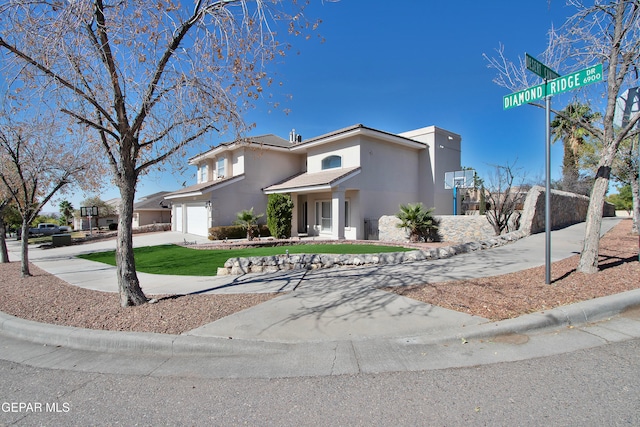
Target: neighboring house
152 209
101 220
338 181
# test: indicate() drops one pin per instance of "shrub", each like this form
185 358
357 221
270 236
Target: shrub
279 214
234 232
248 221
419 221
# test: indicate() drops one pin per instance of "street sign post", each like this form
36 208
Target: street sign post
539 68
553 84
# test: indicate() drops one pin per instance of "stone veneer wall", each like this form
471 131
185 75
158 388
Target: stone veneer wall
457 229
566 209
470 232
271 264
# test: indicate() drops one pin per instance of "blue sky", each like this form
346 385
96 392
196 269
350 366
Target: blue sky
397 66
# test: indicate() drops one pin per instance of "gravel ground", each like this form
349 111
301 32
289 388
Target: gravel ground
45 298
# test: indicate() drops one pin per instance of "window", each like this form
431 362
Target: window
323 215
331 162
347 223
203 173
220 168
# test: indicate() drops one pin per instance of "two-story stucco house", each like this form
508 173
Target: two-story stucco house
337 181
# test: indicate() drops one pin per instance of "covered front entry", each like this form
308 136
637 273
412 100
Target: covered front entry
325 203
332 215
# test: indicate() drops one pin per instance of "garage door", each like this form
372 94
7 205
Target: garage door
178 218
197 220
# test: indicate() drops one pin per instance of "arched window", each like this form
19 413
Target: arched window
331 162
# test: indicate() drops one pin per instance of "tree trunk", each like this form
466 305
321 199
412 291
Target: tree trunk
128 285
24 252
4 253
589 257
635 187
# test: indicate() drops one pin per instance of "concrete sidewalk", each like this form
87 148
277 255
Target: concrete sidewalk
335 313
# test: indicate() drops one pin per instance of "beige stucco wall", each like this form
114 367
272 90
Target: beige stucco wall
389 178
262 167
141 218
348 150
443 156
237 160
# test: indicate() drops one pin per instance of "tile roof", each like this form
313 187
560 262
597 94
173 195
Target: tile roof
356 127
152 201
316 179
199 188
262 140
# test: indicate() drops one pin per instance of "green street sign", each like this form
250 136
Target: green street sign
575 80
525 96
554 87
539 68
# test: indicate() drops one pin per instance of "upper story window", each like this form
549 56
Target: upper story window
331 162
220 168
203 173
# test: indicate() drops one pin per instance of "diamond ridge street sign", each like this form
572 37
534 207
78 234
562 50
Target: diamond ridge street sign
539 68
525 96
575 80
562 84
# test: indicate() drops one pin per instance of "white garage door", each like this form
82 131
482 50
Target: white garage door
178 218
197 220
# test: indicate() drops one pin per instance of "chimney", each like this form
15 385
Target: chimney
294 137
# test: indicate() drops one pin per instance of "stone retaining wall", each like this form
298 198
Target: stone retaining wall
470 232
566 209
271 264
458 229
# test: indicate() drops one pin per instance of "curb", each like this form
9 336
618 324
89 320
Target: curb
185 345
578 314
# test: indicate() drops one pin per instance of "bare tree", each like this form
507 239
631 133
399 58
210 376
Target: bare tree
35 165
5 199
505 192
601 31
149 78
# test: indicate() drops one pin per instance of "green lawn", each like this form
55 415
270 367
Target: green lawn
178 260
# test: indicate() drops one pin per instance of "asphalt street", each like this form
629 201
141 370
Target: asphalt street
591 387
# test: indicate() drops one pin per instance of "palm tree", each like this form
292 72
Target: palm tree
248 220
66 210
418 220
564 127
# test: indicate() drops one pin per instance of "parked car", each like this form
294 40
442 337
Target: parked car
43 229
